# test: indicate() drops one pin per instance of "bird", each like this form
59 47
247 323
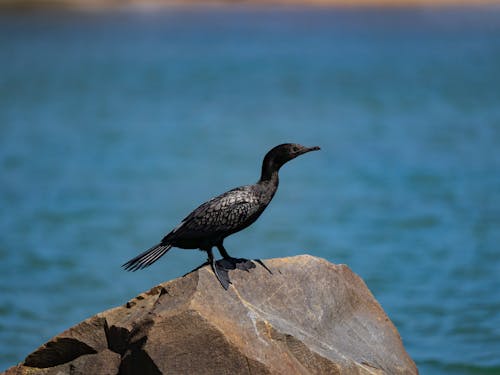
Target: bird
209 224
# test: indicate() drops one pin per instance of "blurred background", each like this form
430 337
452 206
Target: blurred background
115 124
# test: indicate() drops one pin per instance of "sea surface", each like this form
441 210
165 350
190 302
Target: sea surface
115 125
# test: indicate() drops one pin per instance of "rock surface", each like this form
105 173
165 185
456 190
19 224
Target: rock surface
309 317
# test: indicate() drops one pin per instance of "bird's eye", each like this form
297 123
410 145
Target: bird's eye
295 149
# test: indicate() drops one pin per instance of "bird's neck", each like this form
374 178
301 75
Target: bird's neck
268 187
269 181
272 179
269 172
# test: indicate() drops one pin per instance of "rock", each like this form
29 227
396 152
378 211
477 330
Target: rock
308 317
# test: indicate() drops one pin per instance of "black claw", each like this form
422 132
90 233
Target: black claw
263 265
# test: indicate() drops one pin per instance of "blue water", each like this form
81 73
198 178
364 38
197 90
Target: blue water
113 126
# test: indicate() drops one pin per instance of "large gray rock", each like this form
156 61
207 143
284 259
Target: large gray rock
308 317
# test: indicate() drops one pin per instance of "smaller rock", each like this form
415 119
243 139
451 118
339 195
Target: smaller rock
105 362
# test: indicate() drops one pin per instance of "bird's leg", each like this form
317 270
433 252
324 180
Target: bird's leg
223 251
220 272
231 263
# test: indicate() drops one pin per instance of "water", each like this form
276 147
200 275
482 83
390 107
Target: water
113 126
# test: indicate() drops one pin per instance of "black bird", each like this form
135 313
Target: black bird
209 224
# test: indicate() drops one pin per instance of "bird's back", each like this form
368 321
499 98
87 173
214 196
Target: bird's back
220 216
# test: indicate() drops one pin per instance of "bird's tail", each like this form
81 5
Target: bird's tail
147 258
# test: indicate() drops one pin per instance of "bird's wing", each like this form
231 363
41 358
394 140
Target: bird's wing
224 213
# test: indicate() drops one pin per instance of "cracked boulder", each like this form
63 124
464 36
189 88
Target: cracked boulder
308 317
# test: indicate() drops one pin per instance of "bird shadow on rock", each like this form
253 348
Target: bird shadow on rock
228 264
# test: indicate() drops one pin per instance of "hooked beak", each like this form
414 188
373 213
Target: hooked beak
308 149
314 148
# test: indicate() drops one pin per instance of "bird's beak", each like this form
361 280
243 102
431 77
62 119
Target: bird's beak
308 149
302 150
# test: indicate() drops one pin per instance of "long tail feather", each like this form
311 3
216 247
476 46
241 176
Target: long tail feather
147 258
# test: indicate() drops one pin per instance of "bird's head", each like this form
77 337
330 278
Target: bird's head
281 154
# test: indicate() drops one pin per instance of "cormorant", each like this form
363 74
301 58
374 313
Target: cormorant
209 224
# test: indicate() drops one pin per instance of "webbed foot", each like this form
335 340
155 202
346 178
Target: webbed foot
219 271
230 263
221 274
222 267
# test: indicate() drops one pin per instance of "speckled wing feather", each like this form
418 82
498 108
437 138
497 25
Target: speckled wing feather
225 213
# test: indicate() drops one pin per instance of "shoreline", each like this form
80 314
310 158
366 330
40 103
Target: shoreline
146 5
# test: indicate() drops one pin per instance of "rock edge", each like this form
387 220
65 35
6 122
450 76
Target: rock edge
309 317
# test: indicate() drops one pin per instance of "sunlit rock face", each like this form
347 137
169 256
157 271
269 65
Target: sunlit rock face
308 317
